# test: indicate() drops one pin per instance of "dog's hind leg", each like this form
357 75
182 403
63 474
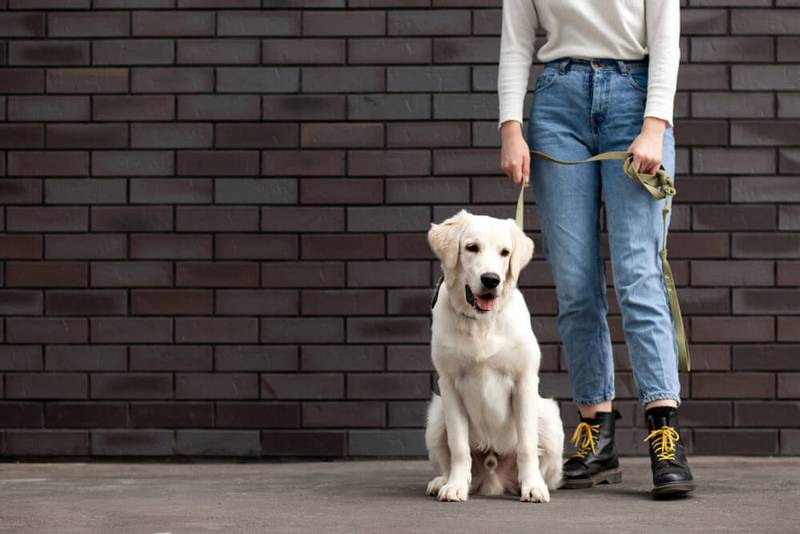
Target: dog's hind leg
551 442
436 442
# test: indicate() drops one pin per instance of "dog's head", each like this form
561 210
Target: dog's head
481 254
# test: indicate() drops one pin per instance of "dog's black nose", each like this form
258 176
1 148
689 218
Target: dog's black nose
490 280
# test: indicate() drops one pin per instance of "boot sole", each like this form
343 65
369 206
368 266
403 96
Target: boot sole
610 476
673 489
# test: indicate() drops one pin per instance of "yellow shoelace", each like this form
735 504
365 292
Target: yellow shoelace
663 441
585 431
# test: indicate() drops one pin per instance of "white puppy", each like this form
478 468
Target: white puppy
489 432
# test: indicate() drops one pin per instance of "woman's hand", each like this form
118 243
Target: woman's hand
515 157
648 147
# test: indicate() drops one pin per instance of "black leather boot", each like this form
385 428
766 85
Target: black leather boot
595 461
671 474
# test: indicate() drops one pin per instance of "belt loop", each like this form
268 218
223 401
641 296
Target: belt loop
562 68
623 67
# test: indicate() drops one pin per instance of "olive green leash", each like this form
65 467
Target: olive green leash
659 185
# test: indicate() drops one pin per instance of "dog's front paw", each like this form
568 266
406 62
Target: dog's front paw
536 492
454 492
435 485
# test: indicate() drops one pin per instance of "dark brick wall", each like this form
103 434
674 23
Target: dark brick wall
213 217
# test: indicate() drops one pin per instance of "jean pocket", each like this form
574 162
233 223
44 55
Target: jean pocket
546 79
638 80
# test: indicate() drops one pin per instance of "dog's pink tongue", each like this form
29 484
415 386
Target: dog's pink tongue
485 304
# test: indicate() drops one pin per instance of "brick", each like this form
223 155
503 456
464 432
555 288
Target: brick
131 386
732 329
171 414
259 135
46 386
732 273
260 23
789 388
210 163
52 163
733 105
48 53
133 52
302 162
343 79
429 22
227 51
387 51
175 23
765 189
788 273
325 135
766 301
733 160
733 386
788 328
216 386
170 246
767 414
466 49
217 443
765 77
96 80
765 133
46 443
733 218
131 330
772 21
334 358
174 80
208 274
760 245
131 218
251 302
389 107
703 21
21 415
247 246
86 358
789 218
133 108
255 190
300 51
415 79
303 443
387 443
343 414
84 246
255 358
20 358
407 414
703 77
21 136
342 246
788 105
341 191
303 107
388 162
86 302
132 162
302 386
388 386
302 329
215 330
132 443
303 274
736 442
342 302
45 330
352 23
87 136
733 49
22 80
218 107
86 415
427 134
49 108
46 274
22 25
789 161
88 24
132 274
20 246
171 358
257 415
302 219
408 358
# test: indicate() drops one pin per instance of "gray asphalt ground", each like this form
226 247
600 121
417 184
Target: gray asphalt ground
734 495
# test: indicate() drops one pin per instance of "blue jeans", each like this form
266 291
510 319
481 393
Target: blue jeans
581 108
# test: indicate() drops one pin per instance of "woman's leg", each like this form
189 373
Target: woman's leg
635 232
568 200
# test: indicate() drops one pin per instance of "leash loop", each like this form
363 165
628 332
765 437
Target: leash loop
660 186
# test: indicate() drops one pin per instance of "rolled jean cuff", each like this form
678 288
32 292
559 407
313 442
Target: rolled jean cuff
660 396
597 400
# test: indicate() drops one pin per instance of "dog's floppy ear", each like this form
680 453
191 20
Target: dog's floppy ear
444 239
521 253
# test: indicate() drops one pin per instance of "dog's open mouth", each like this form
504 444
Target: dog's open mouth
482 303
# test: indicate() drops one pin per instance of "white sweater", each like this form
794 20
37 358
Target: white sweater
588 29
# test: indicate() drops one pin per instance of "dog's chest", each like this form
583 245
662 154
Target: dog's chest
486 394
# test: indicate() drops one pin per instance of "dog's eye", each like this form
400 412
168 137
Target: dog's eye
504 252
472 248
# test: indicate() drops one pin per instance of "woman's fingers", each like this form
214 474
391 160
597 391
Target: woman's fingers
526 168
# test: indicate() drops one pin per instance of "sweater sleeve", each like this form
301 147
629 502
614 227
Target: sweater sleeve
663 26
517 40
